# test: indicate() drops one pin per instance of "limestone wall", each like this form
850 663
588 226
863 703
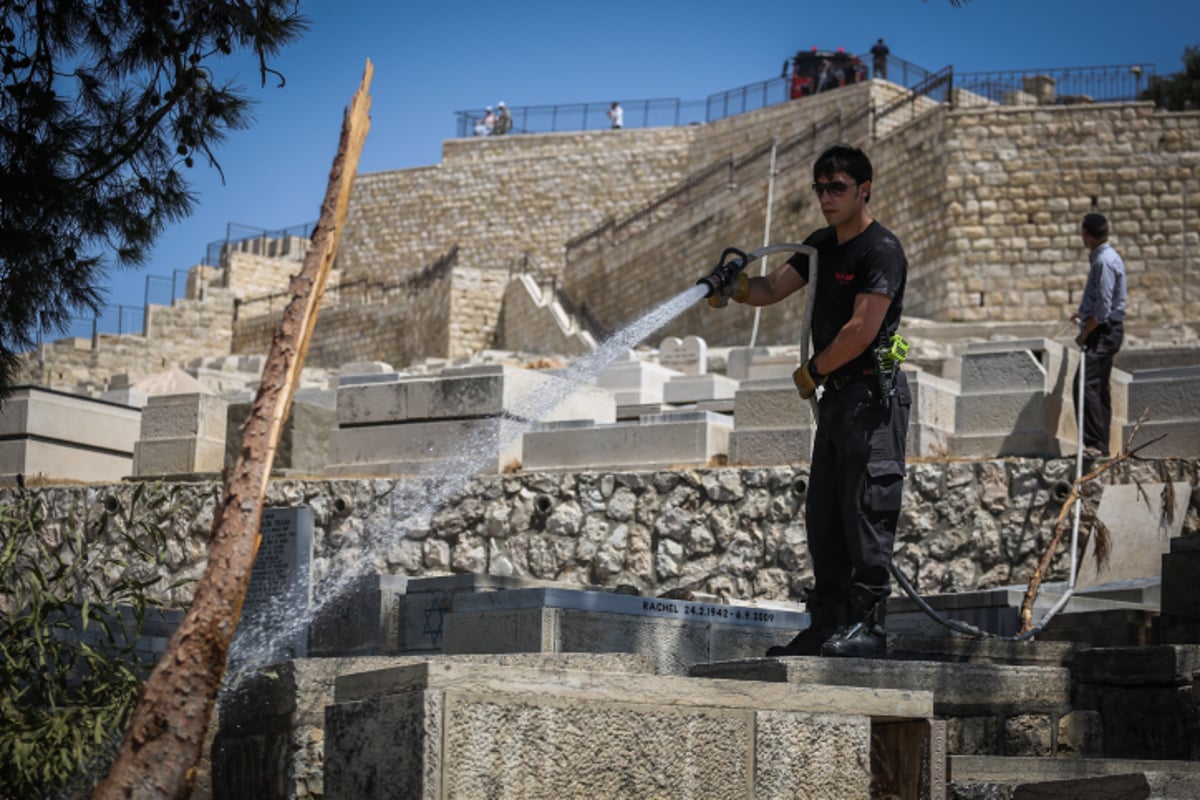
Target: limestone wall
497 198
1018 181
185 330
531 320
250 275
474 313
382 318
734 532
986 201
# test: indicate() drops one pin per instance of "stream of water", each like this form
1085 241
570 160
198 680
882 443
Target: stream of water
415 501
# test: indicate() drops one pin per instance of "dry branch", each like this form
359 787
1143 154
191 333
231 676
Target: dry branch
1025 616
163 744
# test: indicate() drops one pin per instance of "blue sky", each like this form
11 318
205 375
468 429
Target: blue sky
432 59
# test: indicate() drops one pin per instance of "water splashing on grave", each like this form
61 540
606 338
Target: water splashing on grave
417 499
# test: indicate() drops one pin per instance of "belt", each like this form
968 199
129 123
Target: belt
839 381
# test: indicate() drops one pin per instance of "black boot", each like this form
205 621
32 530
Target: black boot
866 637
827 616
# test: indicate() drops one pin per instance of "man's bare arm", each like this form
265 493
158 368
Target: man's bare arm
774 286
856 335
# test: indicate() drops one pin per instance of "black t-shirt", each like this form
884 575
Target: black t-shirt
871 262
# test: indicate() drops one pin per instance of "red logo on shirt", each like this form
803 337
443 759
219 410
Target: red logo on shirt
843 278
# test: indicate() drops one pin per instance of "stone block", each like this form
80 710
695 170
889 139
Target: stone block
447 729
69 420
770 403
1141 524
362 618
996 610
183 456
462 445
699 388
770 446
657 441
304 439
673 634
635 382
126 396
1002 423
184 415
1180 589
737 363
428 601
999 413
271 723
1168 394
1168 397
471 392
986 369
1162 779
932 418
1161 439
64 436
780 365
959 690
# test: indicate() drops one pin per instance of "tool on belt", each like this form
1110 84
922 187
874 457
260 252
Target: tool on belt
888 358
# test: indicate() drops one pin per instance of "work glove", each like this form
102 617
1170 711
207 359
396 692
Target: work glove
737 289
807 379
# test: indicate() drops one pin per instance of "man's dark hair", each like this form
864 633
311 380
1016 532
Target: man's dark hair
1096 226
847 159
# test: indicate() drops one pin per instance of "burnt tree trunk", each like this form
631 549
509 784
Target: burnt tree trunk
163 745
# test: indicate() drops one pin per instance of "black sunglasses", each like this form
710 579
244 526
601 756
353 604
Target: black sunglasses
834 188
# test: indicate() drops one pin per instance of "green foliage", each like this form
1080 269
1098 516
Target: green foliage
103 104
73 600
1181 91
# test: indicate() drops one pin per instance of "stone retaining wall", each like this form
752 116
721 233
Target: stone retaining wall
728 531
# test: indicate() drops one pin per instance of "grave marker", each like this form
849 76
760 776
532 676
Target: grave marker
274 623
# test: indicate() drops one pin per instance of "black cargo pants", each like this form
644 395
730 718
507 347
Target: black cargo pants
855 487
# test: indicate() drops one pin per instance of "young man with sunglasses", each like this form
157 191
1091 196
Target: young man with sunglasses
858 462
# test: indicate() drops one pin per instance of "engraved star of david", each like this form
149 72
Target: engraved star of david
434 633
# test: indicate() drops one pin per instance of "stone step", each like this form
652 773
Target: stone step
991 777
958 689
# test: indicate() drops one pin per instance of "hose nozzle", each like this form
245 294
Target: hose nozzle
722 281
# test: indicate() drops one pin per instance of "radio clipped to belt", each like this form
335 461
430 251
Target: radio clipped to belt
888 358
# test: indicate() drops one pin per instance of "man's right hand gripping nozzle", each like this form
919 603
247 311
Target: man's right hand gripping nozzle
737 289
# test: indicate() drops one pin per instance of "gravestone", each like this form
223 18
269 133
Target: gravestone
688 355
1142 519
274 622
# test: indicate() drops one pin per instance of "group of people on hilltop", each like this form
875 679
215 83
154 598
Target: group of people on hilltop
499 122
494 123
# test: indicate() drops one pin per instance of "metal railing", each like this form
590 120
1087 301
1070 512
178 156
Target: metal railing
897 70
751 97
655 113
1120 83
119 320
937 86
246 236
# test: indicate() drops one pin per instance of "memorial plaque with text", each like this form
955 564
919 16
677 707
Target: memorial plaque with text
274 623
